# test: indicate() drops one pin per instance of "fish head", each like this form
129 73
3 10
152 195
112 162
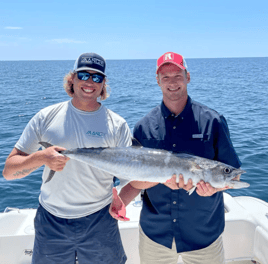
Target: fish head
224 175
231 180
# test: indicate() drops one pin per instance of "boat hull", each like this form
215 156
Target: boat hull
245 237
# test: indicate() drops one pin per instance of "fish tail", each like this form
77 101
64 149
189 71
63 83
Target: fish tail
50 176
45 144
52 172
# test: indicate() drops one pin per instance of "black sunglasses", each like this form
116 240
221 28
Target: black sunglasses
96 77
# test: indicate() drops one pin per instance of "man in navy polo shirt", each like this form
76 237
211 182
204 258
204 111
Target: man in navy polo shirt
172 222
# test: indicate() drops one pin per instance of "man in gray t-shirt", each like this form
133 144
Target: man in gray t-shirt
73 216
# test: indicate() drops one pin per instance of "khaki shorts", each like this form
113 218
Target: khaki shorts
154 253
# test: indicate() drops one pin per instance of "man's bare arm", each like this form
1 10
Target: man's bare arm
128 193
20 164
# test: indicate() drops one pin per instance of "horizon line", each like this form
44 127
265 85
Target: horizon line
143 59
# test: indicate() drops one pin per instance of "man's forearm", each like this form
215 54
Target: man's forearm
19 165
128 193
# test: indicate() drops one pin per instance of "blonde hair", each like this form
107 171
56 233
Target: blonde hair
68 86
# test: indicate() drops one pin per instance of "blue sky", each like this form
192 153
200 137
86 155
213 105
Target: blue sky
62 30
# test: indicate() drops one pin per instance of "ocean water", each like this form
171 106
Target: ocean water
235 87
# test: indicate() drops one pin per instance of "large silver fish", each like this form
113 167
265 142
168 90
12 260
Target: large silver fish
154 165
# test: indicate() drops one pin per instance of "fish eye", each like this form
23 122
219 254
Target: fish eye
227 170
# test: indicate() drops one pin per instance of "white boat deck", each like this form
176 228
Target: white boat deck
245 237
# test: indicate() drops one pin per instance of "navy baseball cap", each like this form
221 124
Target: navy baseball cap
90 61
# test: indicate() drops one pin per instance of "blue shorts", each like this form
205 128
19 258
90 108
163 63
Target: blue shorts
94 239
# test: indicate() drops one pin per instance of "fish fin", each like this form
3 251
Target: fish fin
136 143
45 144
191 190
183 155
195 167
50 176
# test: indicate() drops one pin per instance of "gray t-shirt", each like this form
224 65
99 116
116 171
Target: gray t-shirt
79 189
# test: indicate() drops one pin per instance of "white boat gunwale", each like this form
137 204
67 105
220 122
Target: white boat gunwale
245 237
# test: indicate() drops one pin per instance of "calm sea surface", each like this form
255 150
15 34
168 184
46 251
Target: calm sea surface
236 88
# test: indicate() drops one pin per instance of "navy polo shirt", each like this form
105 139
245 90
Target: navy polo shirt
193 220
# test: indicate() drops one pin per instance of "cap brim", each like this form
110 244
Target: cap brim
179 65
89 69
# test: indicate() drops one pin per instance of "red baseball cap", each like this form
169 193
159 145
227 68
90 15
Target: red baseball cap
171 57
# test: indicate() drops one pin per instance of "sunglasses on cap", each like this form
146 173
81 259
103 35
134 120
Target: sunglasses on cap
84 76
